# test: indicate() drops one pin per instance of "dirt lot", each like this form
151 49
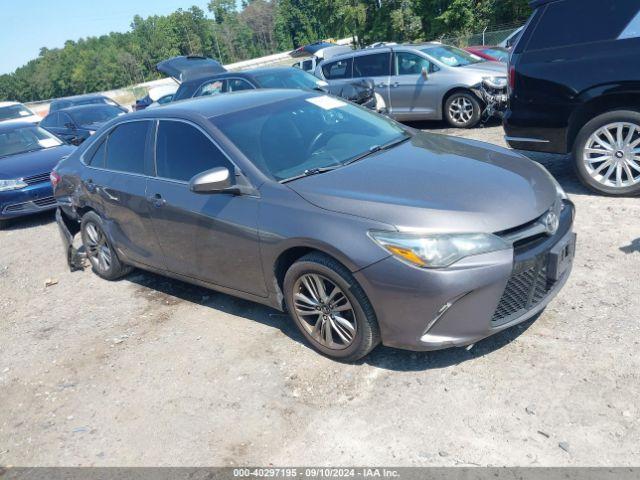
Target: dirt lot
148 371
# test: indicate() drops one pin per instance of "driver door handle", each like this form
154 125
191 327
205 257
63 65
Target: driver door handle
381 85
156 200
395 84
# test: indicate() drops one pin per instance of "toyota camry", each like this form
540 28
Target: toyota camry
364 230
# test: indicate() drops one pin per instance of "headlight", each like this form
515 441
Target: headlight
562 195
438 250
495 82
6 185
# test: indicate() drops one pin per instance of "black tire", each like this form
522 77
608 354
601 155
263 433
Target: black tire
465 97
115 269
580 145
367 332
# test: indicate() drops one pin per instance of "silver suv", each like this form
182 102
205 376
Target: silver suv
430 81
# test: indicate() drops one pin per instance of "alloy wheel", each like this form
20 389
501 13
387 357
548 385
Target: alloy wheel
461 110
612 155
98 250
324 311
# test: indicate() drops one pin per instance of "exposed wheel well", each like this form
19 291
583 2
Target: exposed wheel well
588 111
288 258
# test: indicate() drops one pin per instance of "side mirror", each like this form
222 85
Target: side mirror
425 73
216 180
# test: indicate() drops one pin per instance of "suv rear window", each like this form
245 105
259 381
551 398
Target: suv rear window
569 22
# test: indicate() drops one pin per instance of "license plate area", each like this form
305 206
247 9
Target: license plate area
561 256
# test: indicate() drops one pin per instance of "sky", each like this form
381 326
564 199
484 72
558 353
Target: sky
28 25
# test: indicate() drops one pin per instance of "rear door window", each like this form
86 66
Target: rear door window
565 23
51 121
338 70
211 88
237 84
376 65
183 151
126 147
98 157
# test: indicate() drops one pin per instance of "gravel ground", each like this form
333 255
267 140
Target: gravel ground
149 371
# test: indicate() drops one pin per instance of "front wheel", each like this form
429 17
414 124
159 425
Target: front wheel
462 110
606 153
330 308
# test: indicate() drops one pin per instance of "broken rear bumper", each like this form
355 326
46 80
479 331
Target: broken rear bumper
68 229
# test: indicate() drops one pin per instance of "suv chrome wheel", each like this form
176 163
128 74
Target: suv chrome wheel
324 311
612 155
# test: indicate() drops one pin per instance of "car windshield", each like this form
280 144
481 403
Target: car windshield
498 53
300 135
452 56
12 112
87 117
26 139
294 78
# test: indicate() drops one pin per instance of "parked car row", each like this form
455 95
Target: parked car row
365 230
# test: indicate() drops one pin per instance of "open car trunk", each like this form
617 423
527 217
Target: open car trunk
190 67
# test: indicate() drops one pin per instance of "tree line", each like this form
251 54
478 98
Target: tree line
231 33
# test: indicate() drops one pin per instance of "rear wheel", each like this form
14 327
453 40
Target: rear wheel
462 110
330 308
606 153
103 258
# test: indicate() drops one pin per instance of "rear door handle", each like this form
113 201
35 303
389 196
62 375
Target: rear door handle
156 200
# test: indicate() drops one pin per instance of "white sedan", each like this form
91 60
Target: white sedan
17 112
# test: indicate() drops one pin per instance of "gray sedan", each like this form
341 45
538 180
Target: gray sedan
430 81
365 231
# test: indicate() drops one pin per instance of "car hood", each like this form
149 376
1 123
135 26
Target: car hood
435 183
488 68
33 163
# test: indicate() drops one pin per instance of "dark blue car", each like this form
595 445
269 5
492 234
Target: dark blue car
28 154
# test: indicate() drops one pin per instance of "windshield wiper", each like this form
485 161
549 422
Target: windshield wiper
311 171
378 148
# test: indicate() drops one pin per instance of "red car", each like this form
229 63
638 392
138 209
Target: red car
493 54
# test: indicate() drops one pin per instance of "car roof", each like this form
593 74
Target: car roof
381 48
9 104
250 74
8 126
219 104
79 108
81 97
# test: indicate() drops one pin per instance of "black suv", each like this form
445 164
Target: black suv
575 87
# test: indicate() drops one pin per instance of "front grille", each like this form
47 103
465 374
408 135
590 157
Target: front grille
32 206
526 288
45 202
40 178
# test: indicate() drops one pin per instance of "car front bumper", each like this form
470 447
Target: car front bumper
26 201
421 309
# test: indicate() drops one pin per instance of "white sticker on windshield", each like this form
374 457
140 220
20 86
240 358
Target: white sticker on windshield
23 113
328 103
48 142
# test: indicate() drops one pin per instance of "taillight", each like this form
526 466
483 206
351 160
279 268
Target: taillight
55 178
512 77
